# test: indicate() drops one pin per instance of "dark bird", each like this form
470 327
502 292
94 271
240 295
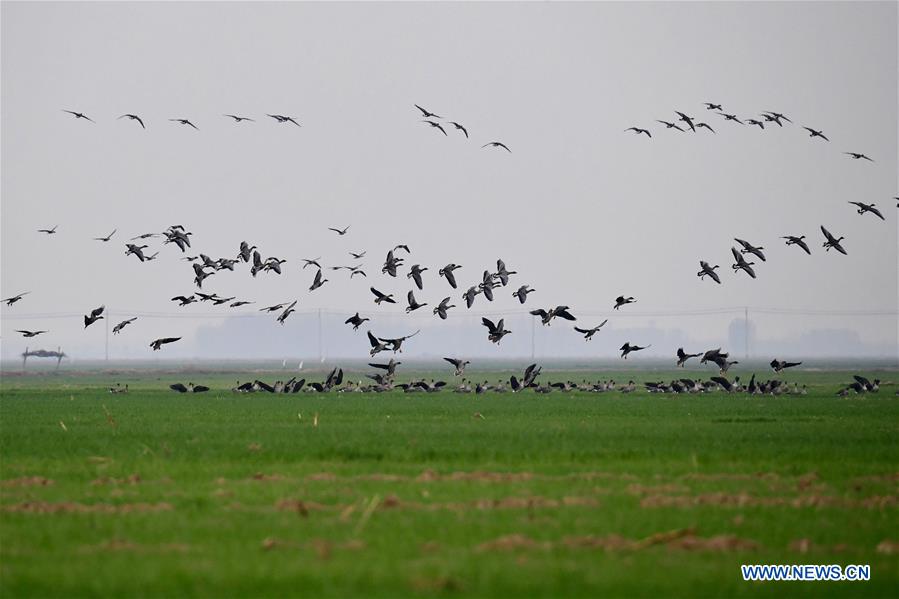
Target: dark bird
748 248
198 388
380 297
588 333
415 275
708 271
356 321
396 345
48 231
133 117
730 117
858 156
223 300
502 273
670 125
274 308
377 346
711 106
178 387
284 119
79 115
437 125
496 144
94 316
682 356
638 131
706 126
240 303
185 122
30 333
546 316
741 263
522 293
447 272
469 296
136 250
792 240
118 328
356 256
413 304
862 208
495 332
623 301
459 364
340 232
107 238
777 116
287 312
460 128
686 119
781 365
427 114
184 301
442 308
238 119
628 348
813 133
391 263
832 242
318 281
760 124
311 263
770 118
158 343
11 300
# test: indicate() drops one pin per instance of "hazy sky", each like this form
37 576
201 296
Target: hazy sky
583 211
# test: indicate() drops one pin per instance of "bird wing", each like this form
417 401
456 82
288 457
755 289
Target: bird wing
489 324
373 340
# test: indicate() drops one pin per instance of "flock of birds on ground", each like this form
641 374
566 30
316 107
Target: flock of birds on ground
204 267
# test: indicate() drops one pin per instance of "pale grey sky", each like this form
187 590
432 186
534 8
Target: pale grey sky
582 210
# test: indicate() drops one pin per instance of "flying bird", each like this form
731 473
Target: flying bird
730 117
813 133
238 119
80 115
133 117
340 232
458 364
380 297
760 124
48 231
427 114
11 300
358 256
522 293
415 275
622 301
741 263
708 271
748 248
682 356
706 126
638 131
858 156
495 332
413 304
712 106
185 122
287 312
686 119
588 333
118 328
443 307
284 119
781 365
670 125
94 316
437 125
318 281
447 272
497 144
356 321
832 242
460 128
107 238
184 301
793 240
628 348
158 343
30 333
862 208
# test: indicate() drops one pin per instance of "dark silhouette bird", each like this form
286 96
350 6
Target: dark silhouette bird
415 275
358 256
133 117
377 345
670 125
185 122
427 114
622 301
832 242
708 271
238 119
628 348
862 208
79 115
495 332
198 388
730 117
413 304
381 297
240 303
682 357
107 238
460 128
813 133
273 308
712 106
502 273
469 296
858 156
443 307
356 321
546 316
284 119
781 365
686 119
396 344
118 328
136 250
777 116
287 312
158 343
588 333
522 293
748 248
94 316
770 118
318 281
30 333
459 365
436 125
741 263
758 123
497 144
704 126
447 272
391 263
48 231
178 387
223 300
11 300
793 240
184 301
340 232
308 262
638 131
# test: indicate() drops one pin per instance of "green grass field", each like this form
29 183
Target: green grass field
157 494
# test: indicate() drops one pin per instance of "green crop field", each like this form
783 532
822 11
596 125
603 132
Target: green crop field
153 493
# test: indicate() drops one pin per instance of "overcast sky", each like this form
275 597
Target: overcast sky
582 210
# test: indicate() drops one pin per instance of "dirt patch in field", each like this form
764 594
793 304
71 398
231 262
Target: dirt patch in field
108 480
116 545
28 481
717 544
745 499
512 542
326 476
267 477
68 507
888 547
303 507
683 539
636 489
731 476
440 584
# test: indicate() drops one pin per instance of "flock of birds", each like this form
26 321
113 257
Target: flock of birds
204 266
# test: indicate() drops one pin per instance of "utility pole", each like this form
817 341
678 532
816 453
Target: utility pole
533 333
108 317
746 332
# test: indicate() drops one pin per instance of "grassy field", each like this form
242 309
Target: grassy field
157 494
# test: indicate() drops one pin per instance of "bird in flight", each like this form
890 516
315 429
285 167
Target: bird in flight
711 106
443 307
730 117
522 293
686 119
30 333
708 271
741 263
813 133
238 119
313 262
628 348
832 242
682 356
460 128
588 333
318 281
358 256
760 124
413 303
380 297
340 232
118 328
284 119
11 300
287 312
858 156
748 248
107 238
622 301
437 125
497 144
781 365
94 316
793 240
495 332
862 208
447 273
48 231
705 126
777 116
80 115
356 321
670 125
158 343
459 365
415 275
638 131
133 117
185 122
427 114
